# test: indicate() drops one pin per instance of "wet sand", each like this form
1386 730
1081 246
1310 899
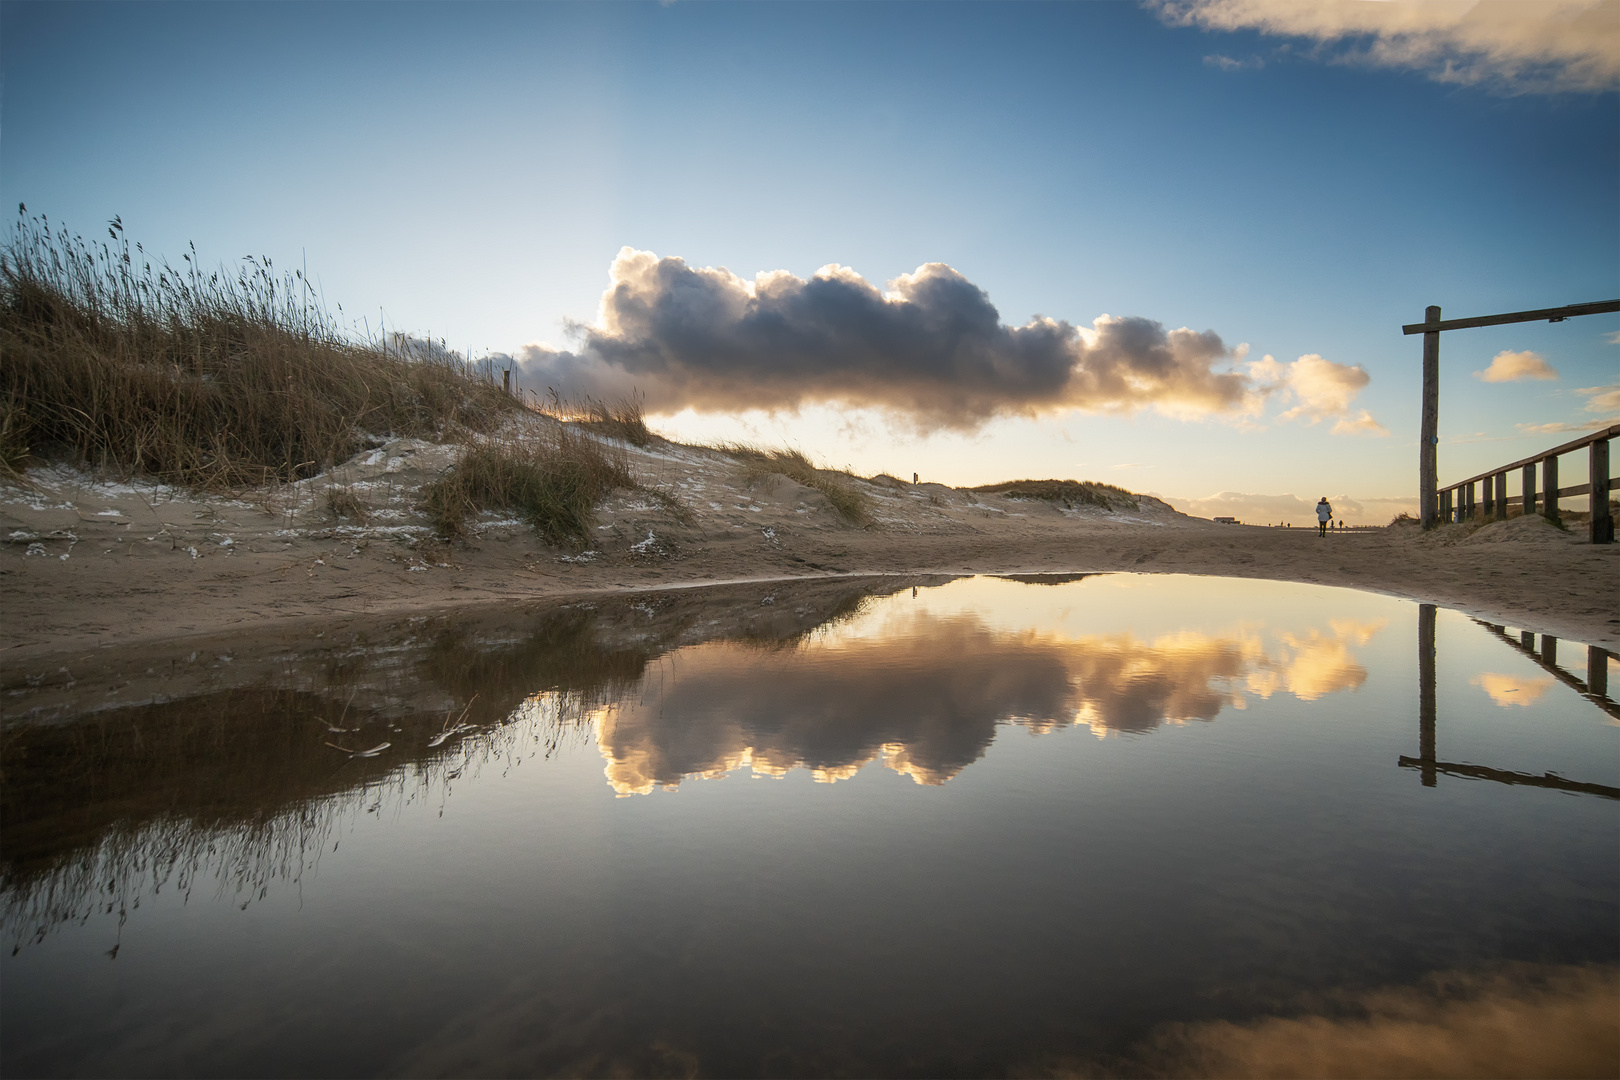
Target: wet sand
91 562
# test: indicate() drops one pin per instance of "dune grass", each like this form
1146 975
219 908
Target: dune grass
758 462
623 419
212 380
1071 493
552 474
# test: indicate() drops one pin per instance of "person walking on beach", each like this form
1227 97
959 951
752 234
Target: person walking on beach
1324 514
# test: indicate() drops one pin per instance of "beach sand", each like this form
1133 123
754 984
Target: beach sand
91 562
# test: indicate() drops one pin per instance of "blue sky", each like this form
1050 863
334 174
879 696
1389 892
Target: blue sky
473 172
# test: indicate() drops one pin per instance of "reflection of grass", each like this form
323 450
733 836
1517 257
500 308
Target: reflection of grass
758 463
241 784
1070 493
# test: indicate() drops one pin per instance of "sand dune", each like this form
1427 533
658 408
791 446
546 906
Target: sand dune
89 561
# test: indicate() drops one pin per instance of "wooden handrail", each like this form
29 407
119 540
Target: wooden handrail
1552 314
1610 432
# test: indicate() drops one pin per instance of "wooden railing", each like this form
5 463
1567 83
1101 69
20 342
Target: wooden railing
1457 502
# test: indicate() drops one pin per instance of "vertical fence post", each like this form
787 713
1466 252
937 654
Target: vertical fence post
1597 672
1527 477
1426 692
1501 496
1487 499
1549 487
1549 649
1445 505
1428 458
1602 520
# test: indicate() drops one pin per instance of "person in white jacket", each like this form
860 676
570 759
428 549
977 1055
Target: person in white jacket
1324 514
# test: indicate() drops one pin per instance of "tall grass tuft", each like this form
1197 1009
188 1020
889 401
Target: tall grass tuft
552 474
623 419
209 379
851 503
1070 493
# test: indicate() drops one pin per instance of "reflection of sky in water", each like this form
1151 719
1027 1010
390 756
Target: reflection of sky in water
924 682
1184 807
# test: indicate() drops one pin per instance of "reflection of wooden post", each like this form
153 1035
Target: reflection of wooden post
1527 478
1426 692
1549 487
1597 671
1428 437
1501 496
1527 641
1549 649
1602 520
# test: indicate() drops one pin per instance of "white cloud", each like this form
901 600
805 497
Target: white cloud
931 348
1227 63
1556 428
1516 46
1360 425
1604 399
1509 366
1323 389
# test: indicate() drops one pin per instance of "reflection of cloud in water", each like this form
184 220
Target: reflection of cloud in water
1527 1021
1312 665
928 695
1510 690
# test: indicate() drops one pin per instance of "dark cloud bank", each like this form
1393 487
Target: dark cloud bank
932 348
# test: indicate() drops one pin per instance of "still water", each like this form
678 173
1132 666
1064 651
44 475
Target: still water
984 826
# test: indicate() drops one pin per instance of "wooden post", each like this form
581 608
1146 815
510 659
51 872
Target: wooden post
1527 482
1549 649
1429 436
1487 499
1445 506
1501 496
506 381
1527 641
1426 695
1602 520
1549 488
1597 672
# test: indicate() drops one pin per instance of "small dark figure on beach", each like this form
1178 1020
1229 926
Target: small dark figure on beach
1324 514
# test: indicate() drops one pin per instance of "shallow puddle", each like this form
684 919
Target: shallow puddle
1105 825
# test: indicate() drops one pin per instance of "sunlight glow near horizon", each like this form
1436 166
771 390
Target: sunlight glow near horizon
470 171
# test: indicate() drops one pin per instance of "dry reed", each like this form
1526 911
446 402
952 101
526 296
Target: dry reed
1070 493
850 503
212 380
552 473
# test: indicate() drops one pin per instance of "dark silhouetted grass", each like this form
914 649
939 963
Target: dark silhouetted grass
211 380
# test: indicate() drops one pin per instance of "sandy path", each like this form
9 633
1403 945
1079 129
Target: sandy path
144 562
